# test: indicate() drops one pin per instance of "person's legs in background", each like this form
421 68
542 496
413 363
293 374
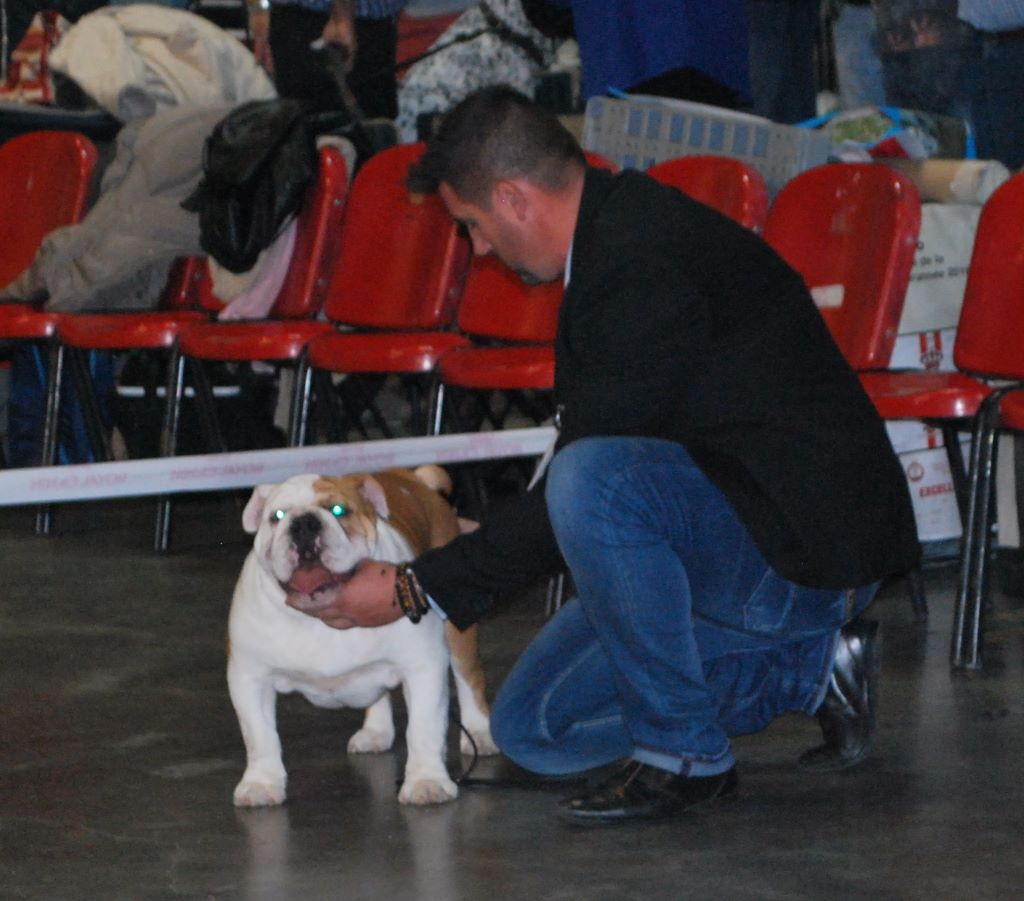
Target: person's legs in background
996 90
298 70
782 36
372 78
858 65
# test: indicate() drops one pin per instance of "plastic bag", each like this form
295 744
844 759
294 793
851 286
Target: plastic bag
257 164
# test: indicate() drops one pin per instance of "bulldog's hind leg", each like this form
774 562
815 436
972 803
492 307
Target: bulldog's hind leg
378 731
470 686
255 700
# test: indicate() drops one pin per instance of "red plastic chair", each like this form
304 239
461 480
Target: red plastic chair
396 284
45 177
148 330
281 337
732 187
497 306
851 229
44 184
78 333
988 348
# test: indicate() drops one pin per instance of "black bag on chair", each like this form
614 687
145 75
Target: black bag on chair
257 164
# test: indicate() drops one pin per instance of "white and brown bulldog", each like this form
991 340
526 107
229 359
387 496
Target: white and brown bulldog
311 532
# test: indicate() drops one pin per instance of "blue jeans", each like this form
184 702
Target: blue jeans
781 37
681 634
858 65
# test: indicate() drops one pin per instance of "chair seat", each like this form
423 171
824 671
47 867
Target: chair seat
276 340
501 368
405 352
148 330
1011 411
26 323
924 395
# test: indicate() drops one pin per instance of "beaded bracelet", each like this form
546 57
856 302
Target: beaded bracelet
409 594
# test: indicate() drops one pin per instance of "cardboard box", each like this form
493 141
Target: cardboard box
638 131
912 435
932 351
939 275
932 494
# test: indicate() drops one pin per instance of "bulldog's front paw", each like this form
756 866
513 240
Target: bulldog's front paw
428 791
371 741
253 793
481 743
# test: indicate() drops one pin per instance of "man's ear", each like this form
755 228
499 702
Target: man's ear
512 194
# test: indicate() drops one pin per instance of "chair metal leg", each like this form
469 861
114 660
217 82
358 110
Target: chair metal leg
298 411
915 583
81 378
965 650
555 594
51 426
169 442
436 415
958 472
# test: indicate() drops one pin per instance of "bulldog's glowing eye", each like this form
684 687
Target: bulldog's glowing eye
277 516
339 510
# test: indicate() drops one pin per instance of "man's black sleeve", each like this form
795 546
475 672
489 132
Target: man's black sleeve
514 547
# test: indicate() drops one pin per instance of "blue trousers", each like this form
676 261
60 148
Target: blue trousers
681 634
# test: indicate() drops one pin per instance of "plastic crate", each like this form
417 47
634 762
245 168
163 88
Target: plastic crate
636 132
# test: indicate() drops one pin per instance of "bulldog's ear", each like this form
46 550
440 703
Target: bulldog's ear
373 492
252 515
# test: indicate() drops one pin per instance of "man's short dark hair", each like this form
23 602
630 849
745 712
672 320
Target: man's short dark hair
495 133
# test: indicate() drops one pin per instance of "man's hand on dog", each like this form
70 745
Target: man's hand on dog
365 600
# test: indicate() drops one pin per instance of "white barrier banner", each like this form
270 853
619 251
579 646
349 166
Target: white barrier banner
216 472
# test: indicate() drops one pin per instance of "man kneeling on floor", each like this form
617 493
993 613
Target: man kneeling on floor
722 491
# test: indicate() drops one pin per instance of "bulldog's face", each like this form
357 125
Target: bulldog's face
311 531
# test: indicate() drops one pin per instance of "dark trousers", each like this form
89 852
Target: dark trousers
299 72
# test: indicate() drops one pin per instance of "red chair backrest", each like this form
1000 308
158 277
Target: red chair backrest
497 303
728 185
304 291
401 257
990 335
850 229
600 162
44 183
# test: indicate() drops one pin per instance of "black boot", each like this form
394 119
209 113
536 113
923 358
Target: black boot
848 715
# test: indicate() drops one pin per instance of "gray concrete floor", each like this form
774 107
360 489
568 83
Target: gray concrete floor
119 751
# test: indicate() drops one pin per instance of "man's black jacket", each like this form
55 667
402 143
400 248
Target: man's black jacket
679 324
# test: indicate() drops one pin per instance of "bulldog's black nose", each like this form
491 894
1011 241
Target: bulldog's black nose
304 531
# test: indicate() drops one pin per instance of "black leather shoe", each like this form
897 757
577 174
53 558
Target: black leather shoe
642 792
848 715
